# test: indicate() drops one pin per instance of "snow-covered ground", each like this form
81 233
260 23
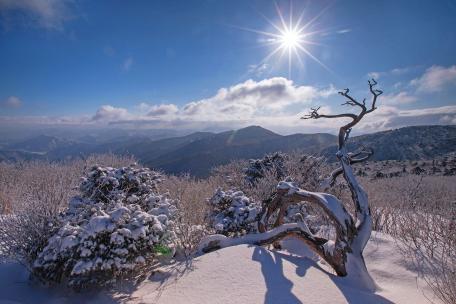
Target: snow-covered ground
247 274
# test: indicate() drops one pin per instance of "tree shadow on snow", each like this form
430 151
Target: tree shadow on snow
164 276
279 287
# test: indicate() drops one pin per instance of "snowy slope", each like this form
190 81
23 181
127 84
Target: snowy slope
248 274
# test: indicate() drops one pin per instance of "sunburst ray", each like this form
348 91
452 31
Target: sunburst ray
292 37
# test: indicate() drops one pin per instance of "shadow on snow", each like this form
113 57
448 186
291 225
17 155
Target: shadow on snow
279 287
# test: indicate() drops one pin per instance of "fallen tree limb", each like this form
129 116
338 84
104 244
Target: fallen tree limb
297 230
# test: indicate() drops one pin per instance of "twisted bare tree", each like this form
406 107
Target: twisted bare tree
344 254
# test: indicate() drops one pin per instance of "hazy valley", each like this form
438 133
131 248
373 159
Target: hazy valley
197 153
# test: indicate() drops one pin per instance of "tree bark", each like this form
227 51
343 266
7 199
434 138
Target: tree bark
345 255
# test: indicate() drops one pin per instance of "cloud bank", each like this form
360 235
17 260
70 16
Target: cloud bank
435 79
276 103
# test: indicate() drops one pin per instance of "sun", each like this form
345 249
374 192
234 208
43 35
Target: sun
291 39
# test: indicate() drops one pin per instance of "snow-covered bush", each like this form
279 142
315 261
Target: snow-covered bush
233 213
270 162
32 196
113 229
306 172
258 180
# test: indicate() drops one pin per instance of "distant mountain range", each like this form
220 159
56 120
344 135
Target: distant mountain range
409 143
198 152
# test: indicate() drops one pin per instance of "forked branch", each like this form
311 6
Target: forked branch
352 231
353 159
315 115
356 118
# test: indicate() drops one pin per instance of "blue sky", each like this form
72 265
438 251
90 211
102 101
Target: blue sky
199 64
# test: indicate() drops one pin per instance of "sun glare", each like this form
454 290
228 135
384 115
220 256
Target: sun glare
291 38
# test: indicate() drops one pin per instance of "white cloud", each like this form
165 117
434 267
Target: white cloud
344 31
275 103
127 64
110 113
388 117
48 14
258 69
374 75
153 110
12 102
251 99
162 110
384 118
448 119
275 100
399 98
45 120
430 111
393 72
400 71
398 84
435 79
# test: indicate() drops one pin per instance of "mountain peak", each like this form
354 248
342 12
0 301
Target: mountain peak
251 130
247 135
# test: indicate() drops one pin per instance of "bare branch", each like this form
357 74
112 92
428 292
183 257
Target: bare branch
343 136
330 181
315 115
351 101
375 93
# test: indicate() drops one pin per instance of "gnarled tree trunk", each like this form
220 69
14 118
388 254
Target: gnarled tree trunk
345 253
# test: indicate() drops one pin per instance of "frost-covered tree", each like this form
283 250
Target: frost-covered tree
344 253
271 162
233 213
114 229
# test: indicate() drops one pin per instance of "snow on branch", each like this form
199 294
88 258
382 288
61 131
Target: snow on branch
344 254
115 228
353 159
332 206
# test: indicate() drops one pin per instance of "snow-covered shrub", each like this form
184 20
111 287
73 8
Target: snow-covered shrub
270 162
113 229
258 180
32 195
306 172
233 213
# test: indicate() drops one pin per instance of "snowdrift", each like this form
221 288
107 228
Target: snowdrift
247 274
